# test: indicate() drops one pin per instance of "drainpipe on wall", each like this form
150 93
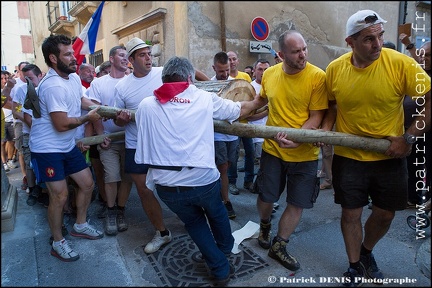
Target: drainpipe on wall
402 19
223 32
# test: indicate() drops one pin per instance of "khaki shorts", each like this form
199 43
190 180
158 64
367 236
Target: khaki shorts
18 130
113 160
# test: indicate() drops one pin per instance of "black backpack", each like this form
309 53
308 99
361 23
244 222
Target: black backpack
32 99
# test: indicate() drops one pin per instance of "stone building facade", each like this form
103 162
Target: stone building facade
198 30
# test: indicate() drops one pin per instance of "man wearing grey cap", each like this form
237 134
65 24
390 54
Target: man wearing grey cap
129 92
368 85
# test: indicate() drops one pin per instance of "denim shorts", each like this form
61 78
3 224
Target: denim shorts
299 178
131 166
9 132
50 167
385 181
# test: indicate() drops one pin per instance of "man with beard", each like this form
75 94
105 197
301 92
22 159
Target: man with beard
296 97
52 143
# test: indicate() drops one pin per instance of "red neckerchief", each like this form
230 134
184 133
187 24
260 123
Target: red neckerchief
169 90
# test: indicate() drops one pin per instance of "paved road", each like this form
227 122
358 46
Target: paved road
120 261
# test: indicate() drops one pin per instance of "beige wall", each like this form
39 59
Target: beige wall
193 29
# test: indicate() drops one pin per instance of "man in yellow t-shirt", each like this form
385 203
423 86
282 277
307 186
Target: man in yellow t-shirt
296 96
366 89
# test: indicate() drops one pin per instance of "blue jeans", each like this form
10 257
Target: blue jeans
197 206
249 158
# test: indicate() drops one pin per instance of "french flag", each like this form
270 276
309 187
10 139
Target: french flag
86 41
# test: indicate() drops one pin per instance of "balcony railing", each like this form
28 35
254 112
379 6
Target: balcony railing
59 20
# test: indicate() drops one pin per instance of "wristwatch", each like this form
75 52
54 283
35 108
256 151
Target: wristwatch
410 46
410 139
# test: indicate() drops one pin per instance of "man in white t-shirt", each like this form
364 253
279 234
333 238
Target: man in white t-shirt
225 144
175 138
129 92
34 74
259 118
18 124
54 154
112 153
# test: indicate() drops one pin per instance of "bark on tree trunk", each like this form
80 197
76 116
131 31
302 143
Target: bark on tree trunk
269 132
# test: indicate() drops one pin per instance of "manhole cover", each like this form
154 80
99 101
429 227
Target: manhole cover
179 263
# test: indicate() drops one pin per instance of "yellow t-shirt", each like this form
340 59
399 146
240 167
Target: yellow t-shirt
370 100
290 98
243 75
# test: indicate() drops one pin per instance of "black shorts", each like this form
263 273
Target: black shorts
385 181
131 167
299 178
94 152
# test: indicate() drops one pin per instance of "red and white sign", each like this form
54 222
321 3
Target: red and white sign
260 29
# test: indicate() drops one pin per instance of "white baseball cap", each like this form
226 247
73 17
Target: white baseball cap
135 44
361 20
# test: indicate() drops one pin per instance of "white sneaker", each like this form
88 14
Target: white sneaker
232 188
157 242
6 167
64 252
87 232
11 164
321 174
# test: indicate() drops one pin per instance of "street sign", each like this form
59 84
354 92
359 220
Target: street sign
260 47
260 29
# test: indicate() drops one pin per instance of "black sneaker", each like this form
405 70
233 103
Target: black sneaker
121 221
224 281
278 252
264 235
353 278
248 186
31 200
230 210
43 199
370 268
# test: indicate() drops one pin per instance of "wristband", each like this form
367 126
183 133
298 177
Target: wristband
410 46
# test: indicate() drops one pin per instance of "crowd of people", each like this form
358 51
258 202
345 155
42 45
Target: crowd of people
195 175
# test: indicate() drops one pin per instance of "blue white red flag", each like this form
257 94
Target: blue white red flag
85 43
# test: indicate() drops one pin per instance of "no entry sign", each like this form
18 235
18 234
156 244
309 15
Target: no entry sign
260 29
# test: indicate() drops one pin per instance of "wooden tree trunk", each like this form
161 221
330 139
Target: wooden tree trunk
302 135
269 132
236 90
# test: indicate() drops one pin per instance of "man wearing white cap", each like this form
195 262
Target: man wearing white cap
368 85
129 92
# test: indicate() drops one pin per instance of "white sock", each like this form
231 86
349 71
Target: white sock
58 243
80 226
